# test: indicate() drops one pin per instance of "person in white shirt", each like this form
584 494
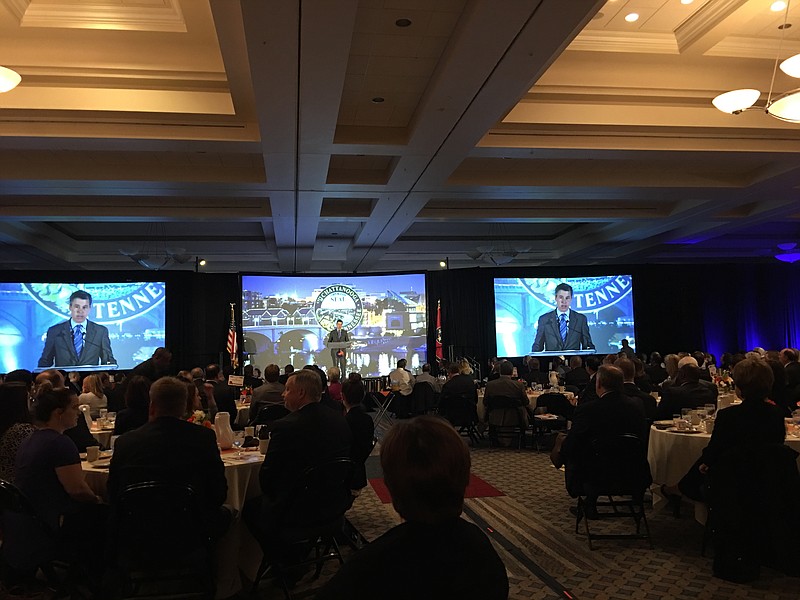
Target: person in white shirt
93 395
428 378
402 378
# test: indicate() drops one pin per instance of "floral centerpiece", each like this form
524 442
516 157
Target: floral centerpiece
724 382
199 417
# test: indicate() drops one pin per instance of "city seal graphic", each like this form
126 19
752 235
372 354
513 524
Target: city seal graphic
338 302
111 303
588 293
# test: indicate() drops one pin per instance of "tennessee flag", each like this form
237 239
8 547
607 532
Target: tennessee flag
232 346
439 351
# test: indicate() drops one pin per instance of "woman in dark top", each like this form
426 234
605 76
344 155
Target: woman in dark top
438 554
753 423
137 405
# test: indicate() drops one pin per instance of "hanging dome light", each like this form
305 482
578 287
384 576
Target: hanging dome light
736 101
8 79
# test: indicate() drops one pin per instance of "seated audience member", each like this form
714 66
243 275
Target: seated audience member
611 414
93 395
185 375
402 378
577 376
269 393
167 448
426 377
15 425
325 398
251 380
630 389
655 369
48 466
671 367
779 393
335 384
310 435
115 394
426 468
137 405
458 385
79 434
287 371
533 375
224 395
589 393
641 378
505 393
687 391
748 425
362 429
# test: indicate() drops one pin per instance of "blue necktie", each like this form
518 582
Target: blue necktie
77 339
562 327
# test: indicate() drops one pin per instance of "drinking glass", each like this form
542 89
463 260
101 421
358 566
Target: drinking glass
710 410
111 418
238 440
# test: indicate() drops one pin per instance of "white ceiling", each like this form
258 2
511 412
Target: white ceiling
522 132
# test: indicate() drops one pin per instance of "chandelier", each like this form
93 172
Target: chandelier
785 106
154 254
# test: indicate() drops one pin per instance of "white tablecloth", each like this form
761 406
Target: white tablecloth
236 549
103 436
672 454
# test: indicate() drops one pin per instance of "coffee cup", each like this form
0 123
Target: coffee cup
92 453
262 446
249 431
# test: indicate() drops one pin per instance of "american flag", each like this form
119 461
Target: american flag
232 345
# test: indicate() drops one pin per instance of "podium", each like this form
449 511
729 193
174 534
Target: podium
85 368
563 353
338 345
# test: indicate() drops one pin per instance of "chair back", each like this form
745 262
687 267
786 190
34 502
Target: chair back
422 398
28 542
617 466
495 402
269 414
459 409
557 404
160 523
320 497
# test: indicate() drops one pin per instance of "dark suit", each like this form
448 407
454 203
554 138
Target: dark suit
589 393
302 439
170 448
577 377
648 402
460 385
340 362
689 395
611 414
548 335
59 350
225 396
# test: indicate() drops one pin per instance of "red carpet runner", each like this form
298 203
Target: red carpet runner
477 488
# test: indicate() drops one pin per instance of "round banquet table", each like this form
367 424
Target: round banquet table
672 454
236 550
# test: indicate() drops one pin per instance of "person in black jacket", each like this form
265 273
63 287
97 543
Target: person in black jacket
363 430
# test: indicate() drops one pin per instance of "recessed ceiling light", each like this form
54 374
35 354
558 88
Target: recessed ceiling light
784 26
686 1
778 6
403 22
632 17
378 99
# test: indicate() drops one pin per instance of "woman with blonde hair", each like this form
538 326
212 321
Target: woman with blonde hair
93 395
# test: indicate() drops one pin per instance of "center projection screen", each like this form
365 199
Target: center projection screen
522 305
286 319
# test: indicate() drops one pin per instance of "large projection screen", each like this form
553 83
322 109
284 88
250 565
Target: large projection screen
286 320
606 302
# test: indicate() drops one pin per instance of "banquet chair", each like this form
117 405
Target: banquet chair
163 545
618 470
507 420
462 413
312 521
422 398
269 414
28 543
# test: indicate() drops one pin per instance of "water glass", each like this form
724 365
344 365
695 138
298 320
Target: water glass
238 440
710 410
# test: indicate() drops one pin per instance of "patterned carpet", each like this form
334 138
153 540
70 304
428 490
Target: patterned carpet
534 515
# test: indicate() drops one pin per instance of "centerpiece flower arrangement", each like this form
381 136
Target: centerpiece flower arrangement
724 381
199 417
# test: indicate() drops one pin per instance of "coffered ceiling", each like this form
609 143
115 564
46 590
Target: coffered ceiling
386 135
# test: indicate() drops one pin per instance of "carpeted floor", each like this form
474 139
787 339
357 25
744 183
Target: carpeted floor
534 515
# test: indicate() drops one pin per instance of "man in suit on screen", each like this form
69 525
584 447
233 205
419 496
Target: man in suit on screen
338 355
78 341
562 328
